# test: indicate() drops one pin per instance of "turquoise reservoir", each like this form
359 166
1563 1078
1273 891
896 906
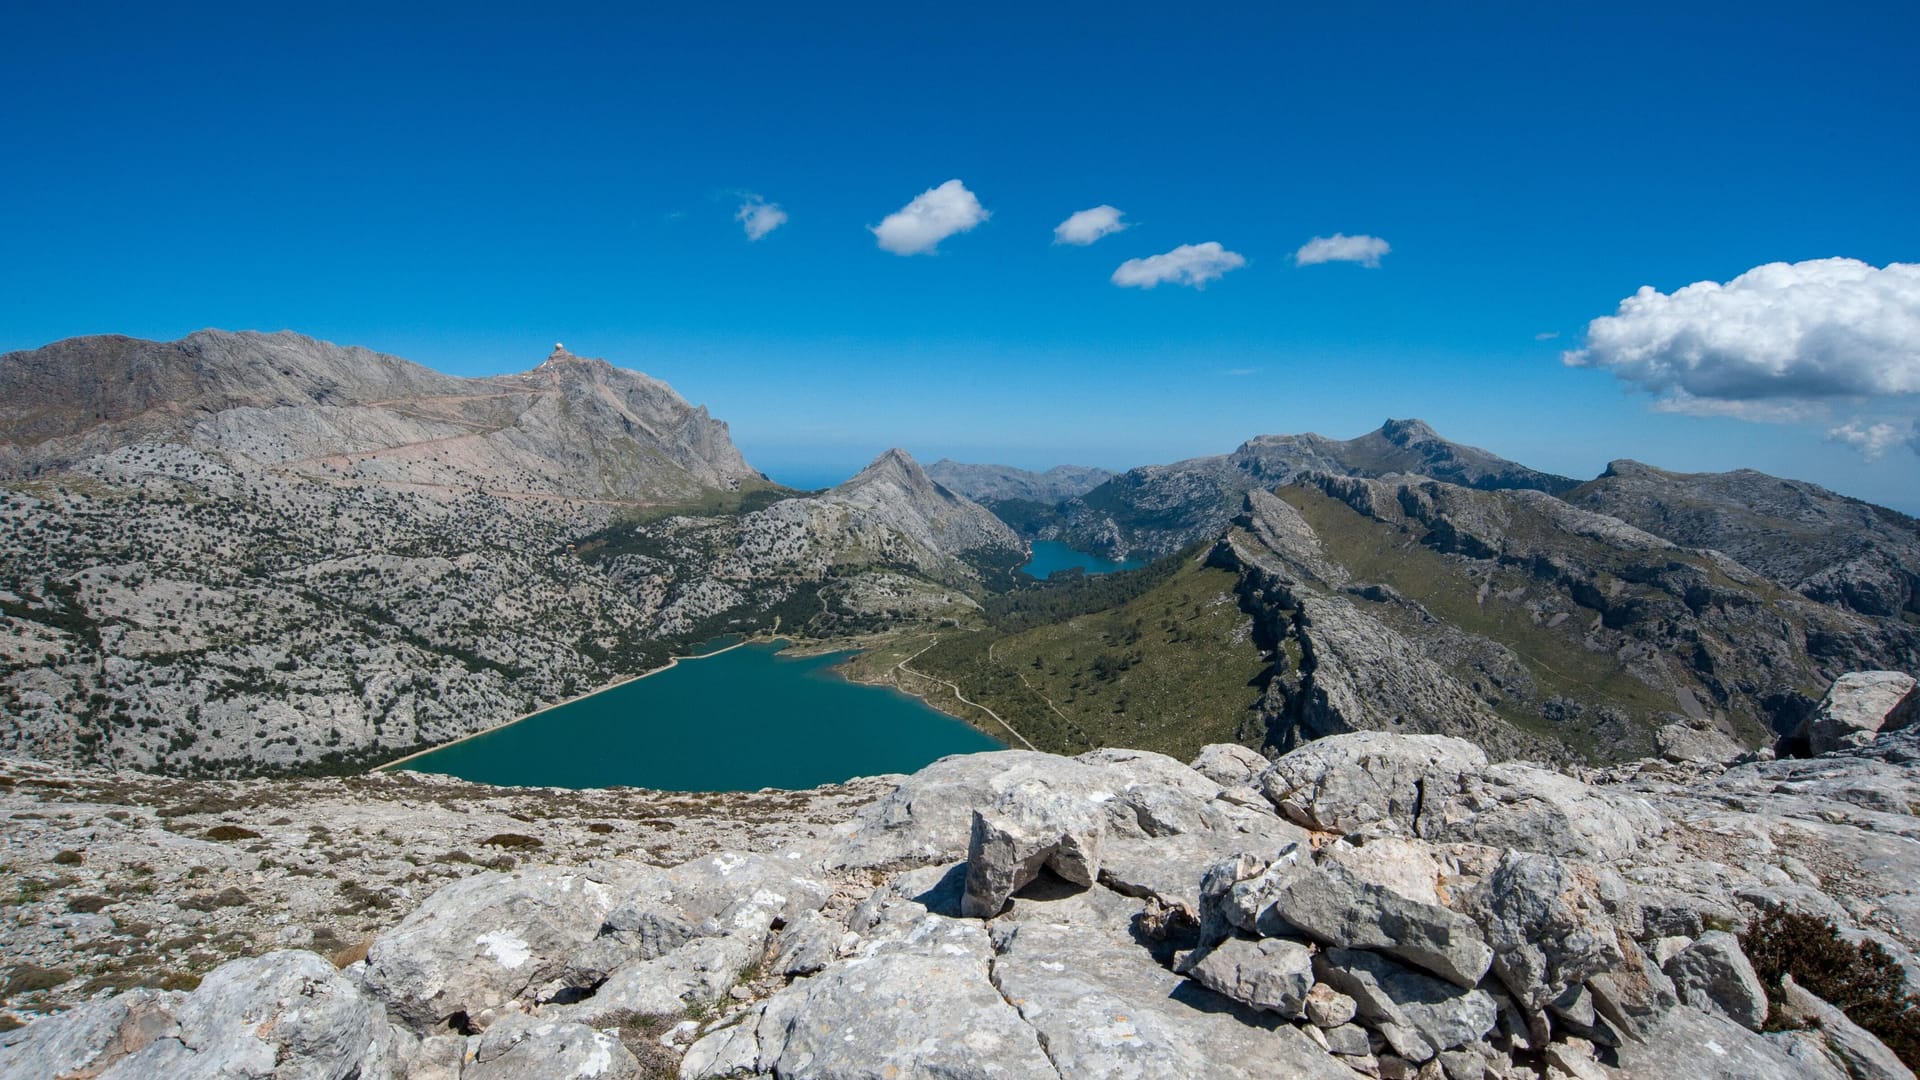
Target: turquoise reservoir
738 720
1052 555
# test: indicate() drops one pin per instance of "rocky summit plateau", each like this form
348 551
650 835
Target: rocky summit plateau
1367 905
1382 756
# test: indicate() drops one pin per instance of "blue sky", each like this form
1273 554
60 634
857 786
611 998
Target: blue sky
465 188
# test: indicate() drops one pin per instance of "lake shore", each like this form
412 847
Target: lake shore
668 666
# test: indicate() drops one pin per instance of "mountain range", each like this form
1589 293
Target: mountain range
246 552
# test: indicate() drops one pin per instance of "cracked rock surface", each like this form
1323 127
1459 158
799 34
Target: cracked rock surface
1397 944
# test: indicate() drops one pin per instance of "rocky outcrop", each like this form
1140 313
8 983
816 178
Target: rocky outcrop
1825 546
1857 707
1408 605
1308 921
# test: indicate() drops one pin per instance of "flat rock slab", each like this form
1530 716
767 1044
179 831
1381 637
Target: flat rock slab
917 1005
1105 1009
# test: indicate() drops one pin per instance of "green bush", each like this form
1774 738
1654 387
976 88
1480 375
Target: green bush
1862 980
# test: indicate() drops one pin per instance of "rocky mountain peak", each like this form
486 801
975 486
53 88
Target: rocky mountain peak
1408 432
1627 467
893 464
897 493
573 426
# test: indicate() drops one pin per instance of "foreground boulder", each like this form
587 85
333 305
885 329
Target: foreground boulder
1857 707
488 942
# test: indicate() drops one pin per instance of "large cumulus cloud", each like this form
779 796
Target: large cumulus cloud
1777 337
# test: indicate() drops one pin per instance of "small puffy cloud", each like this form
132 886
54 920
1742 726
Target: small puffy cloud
1188 264
1365 250
935 214
1873 440
1780 336
1086 226
759 217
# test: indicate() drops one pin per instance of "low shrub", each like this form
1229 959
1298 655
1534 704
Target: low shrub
1862 980
27 978
511 841
68 858
352 954
86 905
231 832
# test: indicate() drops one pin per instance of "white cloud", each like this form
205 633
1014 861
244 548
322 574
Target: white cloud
1546 335
1086 226
935 214
1365 250
759 217
1784 336
1188 264
1872 440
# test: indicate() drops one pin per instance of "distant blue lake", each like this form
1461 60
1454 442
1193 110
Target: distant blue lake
1052 555
737 721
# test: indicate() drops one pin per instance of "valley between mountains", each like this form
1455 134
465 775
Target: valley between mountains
244 554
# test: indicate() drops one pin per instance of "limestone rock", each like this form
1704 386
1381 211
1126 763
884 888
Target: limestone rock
1549 924
918 1005
1035 826
1696 744
281 1016
1274 974
927 818
1230 765
1858 706
808 943
1328 1007
1330 905
737 885
1419 1015
1343 782
1713 975
1103 1008
1526 808
1864 1056
697 973
1691 1045
526 1048
486 942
